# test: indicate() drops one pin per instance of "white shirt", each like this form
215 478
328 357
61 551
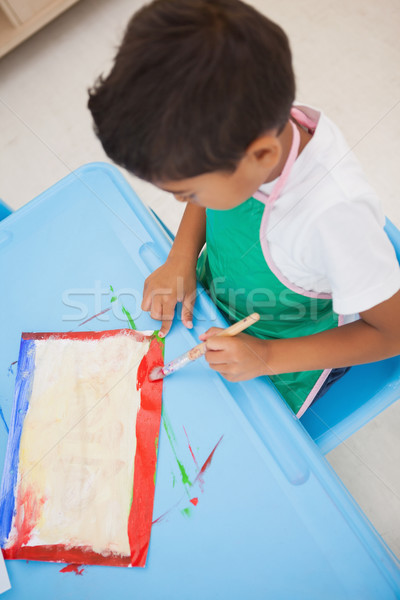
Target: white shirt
325 231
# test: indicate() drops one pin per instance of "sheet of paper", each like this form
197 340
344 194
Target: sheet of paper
83 460
4 580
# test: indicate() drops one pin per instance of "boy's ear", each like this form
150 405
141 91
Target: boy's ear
265 150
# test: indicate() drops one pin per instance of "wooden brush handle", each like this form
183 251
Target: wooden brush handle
234 329
240 325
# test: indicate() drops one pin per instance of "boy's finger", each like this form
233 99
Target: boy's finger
187 311
218 342
209 333
162 308
168 313
147 298
156 309
146 302
165 327
216 358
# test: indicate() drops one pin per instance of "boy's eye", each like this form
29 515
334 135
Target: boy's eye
185 198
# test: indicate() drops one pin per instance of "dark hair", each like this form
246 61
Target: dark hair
194 82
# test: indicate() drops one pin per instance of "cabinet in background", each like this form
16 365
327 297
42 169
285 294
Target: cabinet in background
21 18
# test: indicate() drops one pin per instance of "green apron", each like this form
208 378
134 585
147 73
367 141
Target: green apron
234 269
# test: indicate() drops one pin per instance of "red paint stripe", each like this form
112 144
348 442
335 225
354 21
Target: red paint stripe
166 513
74 568
190 448
208 461
27 513
83 335
66 554
200 479
147 431
94 316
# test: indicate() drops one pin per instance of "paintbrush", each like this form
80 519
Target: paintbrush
200 349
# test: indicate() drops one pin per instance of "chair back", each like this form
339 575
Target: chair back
358 396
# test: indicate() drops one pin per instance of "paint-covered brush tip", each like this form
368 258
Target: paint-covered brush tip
156 373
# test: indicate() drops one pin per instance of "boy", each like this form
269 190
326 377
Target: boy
200 103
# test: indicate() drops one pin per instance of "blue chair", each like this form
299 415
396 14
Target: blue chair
4 210
364 392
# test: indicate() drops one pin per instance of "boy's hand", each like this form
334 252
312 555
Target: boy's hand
237 358
174 281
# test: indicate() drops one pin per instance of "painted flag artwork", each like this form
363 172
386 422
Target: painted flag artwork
79 476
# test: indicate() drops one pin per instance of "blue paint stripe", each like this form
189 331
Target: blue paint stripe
23 388
4 420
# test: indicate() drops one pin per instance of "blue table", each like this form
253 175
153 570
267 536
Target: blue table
268 518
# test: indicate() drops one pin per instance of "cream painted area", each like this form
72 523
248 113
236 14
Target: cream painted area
79 441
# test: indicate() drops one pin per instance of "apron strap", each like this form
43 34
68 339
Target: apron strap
279 185
303 119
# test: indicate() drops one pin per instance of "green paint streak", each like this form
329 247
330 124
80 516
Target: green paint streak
128 315
185 478
171 438
173 479
186 512
124 310
167 426
160 340
114 298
